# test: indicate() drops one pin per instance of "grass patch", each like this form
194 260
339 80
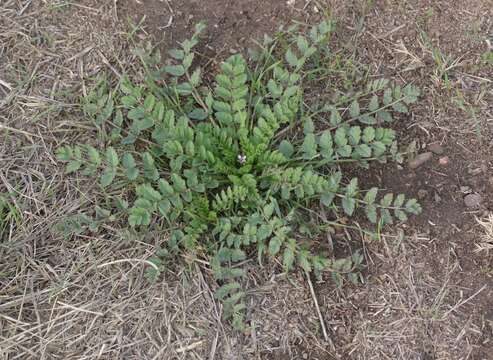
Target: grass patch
10 216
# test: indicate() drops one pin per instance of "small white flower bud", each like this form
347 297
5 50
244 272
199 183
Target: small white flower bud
241 159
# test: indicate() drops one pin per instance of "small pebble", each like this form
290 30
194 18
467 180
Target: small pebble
444 160
473 200
420 160
436 148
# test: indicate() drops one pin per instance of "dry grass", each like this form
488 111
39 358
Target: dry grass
414 309
486 243
107 310
85 297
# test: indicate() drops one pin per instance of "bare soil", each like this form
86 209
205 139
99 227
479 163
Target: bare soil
428 291
232 25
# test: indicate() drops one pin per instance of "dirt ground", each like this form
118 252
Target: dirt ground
428 290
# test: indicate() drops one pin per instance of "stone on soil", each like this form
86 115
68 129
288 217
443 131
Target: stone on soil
473 200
